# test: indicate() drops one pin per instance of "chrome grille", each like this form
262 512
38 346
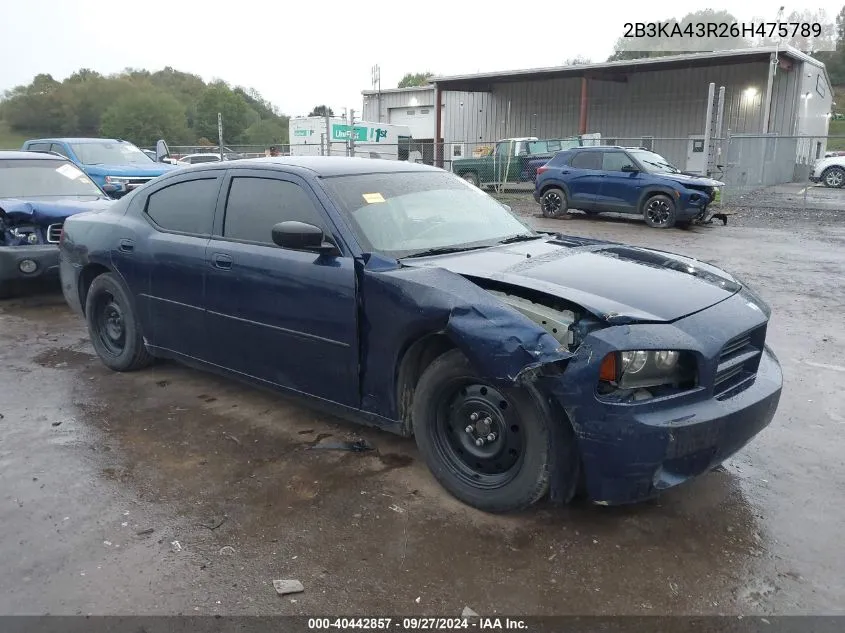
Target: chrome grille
738 363
54 233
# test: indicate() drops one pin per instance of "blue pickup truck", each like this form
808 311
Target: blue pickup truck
117 166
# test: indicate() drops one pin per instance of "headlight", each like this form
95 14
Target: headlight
648 368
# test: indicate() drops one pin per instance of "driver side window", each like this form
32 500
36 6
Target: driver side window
616 161
255 205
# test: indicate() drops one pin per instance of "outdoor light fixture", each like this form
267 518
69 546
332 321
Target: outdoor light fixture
750 92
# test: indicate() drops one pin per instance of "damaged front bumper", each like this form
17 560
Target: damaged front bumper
632 450
28 262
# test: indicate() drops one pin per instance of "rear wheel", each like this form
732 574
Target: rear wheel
834 177
113 327
553 203
489 447
659 212
471 177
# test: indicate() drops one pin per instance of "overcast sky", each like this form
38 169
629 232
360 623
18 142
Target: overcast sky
299 54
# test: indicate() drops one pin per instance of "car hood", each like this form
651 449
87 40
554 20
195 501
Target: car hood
687 180
617 283
151 170
49 211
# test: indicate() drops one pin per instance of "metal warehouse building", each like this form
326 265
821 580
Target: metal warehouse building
773 122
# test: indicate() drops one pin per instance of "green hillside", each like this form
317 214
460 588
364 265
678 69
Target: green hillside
139 106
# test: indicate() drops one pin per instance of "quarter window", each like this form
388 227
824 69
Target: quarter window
255 205
186 207
587 160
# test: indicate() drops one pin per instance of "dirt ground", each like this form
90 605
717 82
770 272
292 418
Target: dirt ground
171 491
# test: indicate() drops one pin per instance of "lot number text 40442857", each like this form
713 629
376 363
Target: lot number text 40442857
416 624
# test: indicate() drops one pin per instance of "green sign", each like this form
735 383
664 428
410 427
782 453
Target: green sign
303 132
361 134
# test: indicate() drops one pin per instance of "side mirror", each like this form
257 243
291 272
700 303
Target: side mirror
300 236
162 151
630 169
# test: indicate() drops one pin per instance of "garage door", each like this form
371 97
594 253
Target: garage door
419 119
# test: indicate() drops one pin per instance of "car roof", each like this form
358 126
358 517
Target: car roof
18 155
332 165
60 139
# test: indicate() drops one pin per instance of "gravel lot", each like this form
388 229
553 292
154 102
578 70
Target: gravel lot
172 491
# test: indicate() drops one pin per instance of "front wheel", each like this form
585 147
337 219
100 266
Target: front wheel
472 178
113 327
659 212
488 447
834 177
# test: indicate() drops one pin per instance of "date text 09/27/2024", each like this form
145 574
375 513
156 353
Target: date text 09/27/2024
417 624
722 29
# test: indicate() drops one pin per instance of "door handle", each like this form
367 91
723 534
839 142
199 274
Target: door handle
126 246
222 261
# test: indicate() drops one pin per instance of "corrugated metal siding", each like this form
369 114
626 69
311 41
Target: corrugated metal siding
407 98
663 104
784 97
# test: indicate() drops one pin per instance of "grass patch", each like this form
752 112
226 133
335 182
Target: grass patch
10 139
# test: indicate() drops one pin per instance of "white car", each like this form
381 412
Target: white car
194 159
829 171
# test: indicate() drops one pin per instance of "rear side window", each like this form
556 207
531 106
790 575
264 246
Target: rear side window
255 205
561 158
59 149
187 207
587 160
38 147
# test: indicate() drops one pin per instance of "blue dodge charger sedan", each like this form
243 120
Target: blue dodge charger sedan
523 363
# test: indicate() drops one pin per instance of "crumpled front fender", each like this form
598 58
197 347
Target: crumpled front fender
401 305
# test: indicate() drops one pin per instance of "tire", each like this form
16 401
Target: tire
554 203
834 177
659 212
506 474
113 325
471 177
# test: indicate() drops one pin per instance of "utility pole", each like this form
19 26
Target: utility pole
351 132
220 133
328 134
377 87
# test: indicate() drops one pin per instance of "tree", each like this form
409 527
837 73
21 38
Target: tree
266 132
415 79
220 98
835 60
144 116
578 60
77 106
321 110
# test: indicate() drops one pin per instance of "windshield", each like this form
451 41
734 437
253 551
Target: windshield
106 153
409 213
28 178
654 163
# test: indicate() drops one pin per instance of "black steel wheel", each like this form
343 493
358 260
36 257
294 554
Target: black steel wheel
113 327
554 203
659 212
834 177
487 446
471 177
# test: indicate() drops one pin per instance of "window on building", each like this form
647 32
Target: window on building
186 207
255 205
424 111
410 112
